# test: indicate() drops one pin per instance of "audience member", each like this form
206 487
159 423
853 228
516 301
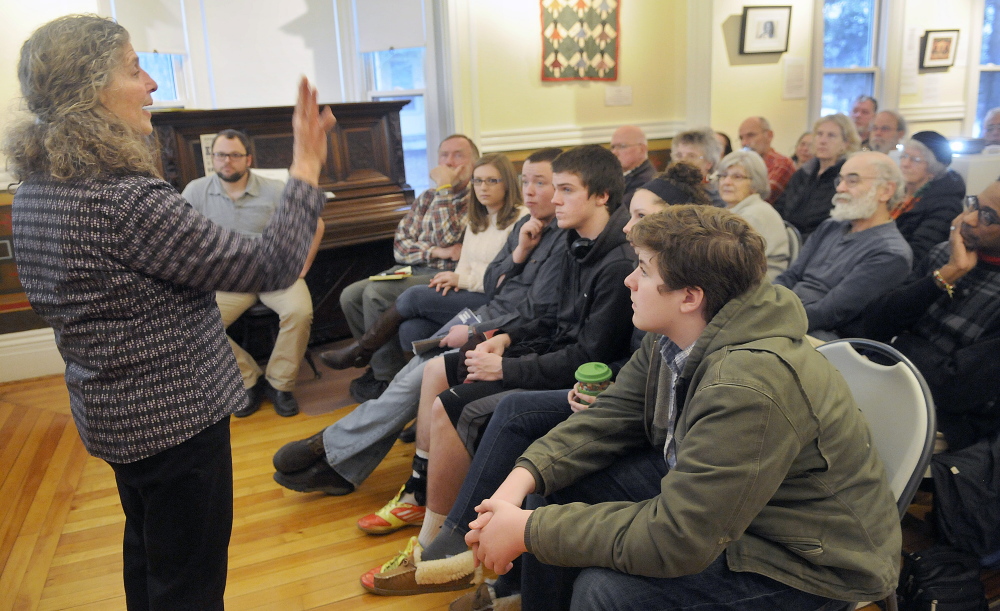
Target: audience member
522 283
494 207
428 240
756 135
934 194
803 150
699 148
237 199
887 133
125 271
629 145
857 254
807 199
991 127
452 445
591 325
668 488
946 320
862 113
724 142
743 185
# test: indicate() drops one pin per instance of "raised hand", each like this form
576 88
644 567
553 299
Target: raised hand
310 128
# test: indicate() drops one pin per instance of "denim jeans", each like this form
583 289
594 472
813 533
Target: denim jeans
519 420
426 310
637 477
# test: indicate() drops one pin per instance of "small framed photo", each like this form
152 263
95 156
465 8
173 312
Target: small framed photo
939 48
765 29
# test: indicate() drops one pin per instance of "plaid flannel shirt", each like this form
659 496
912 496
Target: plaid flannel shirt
437 218
125 271
779 172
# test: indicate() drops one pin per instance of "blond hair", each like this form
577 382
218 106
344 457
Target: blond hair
63 68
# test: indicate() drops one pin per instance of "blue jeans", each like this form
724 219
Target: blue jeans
426 310
358 442
518 421
636 477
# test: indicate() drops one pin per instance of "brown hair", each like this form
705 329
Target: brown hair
479 216
63 68
705 247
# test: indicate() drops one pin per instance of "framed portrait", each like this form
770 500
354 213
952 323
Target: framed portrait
765 29
939 48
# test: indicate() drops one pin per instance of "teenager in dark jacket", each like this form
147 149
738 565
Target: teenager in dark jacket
934 193
808 198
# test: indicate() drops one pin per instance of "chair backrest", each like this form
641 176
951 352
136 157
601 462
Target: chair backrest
794 241
897 405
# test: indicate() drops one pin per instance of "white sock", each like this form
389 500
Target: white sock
432 524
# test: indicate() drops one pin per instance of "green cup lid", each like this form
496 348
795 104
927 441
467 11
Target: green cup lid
593 373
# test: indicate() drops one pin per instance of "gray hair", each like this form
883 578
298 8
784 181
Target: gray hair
705 138
900 121
990 114
867 98
935 167
753 165
887 171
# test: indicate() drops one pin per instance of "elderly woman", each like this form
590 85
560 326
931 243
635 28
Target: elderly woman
700 148
808 198
803 150
933 195
124 270
743 185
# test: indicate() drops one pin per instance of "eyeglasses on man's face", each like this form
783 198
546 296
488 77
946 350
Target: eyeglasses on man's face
987 216
487 181
851 180
622 147
233 156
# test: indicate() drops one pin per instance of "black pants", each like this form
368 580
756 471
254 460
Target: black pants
178 518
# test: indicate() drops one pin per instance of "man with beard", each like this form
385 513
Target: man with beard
857 254
237 199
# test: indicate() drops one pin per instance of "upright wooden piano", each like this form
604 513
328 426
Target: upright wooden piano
366 187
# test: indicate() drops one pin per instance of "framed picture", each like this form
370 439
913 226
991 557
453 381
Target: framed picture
765 29
939 48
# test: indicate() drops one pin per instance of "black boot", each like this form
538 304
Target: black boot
360 352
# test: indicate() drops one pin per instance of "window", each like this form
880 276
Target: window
849 51
398 74
989 70
167 70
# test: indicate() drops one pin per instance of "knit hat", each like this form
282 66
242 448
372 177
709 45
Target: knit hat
937 144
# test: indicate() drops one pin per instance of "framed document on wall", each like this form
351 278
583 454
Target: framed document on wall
764 29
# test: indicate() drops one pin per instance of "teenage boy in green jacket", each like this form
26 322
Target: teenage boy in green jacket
727 468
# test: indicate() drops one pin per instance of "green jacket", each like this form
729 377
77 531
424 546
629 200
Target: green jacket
775 465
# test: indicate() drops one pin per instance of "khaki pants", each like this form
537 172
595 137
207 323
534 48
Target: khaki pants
294 309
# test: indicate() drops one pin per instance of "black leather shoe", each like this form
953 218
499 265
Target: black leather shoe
409 434
319 477
284 403
255 395
299 455
366 387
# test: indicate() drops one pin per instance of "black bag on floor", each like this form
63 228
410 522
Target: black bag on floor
941 578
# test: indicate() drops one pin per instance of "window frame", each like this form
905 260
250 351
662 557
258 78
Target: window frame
881 23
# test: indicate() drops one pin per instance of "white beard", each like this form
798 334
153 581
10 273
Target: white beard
847 208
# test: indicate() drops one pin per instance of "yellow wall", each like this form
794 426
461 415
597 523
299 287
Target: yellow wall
499 89
748 85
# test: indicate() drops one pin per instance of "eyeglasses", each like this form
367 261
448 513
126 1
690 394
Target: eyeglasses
852 180
622 147
489 181
987 216
913 158
233 156
686 157
731 175
539 184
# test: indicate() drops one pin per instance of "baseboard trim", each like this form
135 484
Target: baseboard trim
29 354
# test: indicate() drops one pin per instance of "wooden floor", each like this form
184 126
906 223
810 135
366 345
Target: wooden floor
61 522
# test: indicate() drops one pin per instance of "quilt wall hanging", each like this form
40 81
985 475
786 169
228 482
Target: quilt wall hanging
580 40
